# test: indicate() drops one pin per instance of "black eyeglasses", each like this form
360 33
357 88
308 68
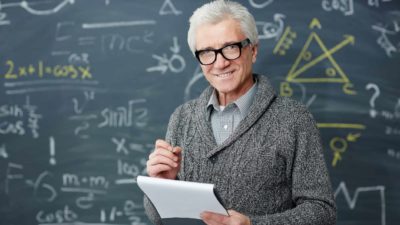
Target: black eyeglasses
229 52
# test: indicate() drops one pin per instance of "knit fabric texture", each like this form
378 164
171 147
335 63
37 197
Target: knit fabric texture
270 169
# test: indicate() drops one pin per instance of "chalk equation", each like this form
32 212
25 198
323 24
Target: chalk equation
347 6
135 41
86 188
42 70
17 119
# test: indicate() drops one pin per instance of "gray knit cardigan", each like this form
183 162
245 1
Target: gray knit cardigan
271 168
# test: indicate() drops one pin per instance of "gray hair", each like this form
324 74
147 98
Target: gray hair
216 11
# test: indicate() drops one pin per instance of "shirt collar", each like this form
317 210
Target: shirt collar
243 103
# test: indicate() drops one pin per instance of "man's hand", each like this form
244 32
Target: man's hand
234 218
165 161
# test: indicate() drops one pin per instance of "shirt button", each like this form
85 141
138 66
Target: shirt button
225 126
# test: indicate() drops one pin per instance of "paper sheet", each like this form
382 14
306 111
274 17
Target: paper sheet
180 199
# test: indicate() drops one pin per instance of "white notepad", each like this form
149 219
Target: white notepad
180 199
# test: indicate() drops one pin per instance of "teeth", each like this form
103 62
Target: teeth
224 75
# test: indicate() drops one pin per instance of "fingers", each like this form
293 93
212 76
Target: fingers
211 218
157 170
163 144
165 159
234 218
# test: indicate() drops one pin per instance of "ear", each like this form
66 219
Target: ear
254 53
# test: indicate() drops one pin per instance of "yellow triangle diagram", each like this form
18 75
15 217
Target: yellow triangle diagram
305 61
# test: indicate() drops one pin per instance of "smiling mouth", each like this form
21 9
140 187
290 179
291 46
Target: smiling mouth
224 75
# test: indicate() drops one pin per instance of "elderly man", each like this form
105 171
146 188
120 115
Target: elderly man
262 151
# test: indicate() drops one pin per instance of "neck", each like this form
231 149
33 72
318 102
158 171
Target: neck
225 99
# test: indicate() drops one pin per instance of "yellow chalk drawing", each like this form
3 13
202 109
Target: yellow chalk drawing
339 145
285 42
42 70
300 71
341 125
305 55
315 23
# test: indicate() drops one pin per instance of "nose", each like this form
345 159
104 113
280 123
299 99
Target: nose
221 62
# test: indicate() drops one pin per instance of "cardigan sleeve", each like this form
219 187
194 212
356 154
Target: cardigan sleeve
312 196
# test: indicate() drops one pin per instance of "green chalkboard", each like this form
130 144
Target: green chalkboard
86 87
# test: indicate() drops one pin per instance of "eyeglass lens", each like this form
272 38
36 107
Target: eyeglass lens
229 52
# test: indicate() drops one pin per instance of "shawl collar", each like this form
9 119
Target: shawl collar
262 100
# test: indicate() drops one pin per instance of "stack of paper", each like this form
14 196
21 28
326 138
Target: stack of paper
180 202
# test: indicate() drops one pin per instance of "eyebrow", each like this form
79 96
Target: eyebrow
224 45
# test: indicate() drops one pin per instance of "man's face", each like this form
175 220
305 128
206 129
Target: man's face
231 78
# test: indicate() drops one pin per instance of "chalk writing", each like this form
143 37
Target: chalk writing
306 60
285 42
82 100
79 59
74 180
85 119
52 149
258 5
16 127
109 42
42 189
85 201
168 8
88 96
388 115
129 169
130 209
64 215
389 130
176 63
339 145
89 186
41 70
272 29
372 111
352 201
376 2
125 116
345 6
132 43
11 175
3 151
384 41
19 127
29 6
189 89
123 147
3 20
393 153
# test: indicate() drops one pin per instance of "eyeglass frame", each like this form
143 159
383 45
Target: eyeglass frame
240 44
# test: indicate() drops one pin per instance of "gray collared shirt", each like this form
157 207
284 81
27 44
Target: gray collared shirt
224 120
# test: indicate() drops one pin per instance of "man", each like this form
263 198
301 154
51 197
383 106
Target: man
262 151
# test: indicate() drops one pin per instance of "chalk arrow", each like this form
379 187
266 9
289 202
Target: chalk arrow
353 137
175 49
162 64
